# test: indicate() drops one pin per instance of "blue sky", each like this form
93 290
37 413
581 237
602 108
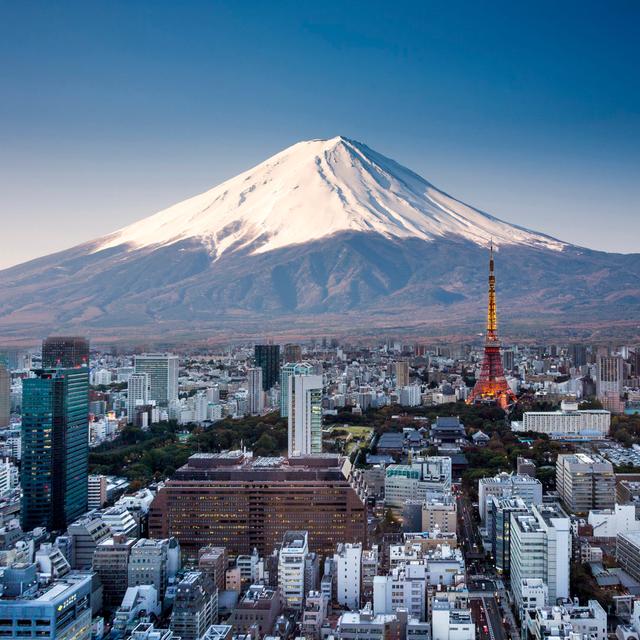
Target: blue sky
112 110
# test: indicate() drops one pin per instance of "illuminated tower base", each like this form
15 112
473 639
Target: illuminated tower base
492 386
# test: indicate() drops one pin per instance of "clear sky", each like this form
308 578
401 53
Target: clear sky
110 111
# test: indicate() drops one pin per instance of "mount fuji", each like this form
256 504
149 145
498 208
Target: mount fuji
327 233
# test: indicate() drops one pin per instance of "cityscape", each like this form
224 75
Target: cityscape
322 399
321 490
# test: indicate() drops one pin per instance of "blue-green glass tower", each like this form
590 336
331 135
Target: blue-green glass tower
55 448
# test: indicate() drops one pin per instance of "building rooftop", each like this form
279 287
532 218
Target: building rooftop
232 465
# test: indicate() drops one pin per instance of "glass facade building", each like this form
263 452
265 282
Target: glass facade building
65 351
288 370
267 357
55 448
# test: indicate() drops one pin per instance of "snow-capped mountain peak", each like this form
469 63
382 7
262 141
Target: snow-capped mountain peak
315 189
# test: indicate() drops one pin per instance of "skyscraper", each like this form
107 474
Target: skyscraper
610 376
289 369
267 357
162 369
256 394
137 393
55 447
65 351
5 395
402 374
578 354
305 415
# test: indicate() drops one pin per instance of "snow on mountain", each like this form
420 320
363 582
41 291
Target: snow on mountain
313 190
328 236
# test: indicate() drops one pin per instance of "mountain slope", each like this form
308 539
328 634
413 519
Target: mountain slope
327 233
313 190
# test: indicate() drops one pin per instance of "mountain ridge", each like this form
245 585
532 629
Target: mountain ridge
323 229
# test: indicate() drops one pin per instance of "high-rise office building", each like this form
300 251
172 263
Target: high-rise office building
137 394
402 374
162 369
255 392
65 352
610 376
234 500
500 534
541 548
5 396
288 370
585 482
292 353
305 415
55 447
267 357
578 354
508 360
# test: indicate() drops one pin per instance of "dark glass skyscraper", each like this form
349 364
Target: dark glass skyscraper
267 357
65 351
55 448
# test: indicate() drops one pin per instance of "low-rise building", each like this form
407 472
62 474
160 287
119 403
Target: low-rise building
61 610
440 513
570 423
563 620
585 482
257 612
195 606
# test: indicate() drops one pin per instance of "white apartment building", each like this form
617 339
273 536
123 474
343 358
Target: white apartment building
120 521
137 393
534 593
97 491
347 562
291 563
570 423
451 623
404 587
410 396
541 548
9 476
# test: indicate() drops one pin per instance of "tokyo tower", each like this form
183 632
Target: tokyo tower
491 386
